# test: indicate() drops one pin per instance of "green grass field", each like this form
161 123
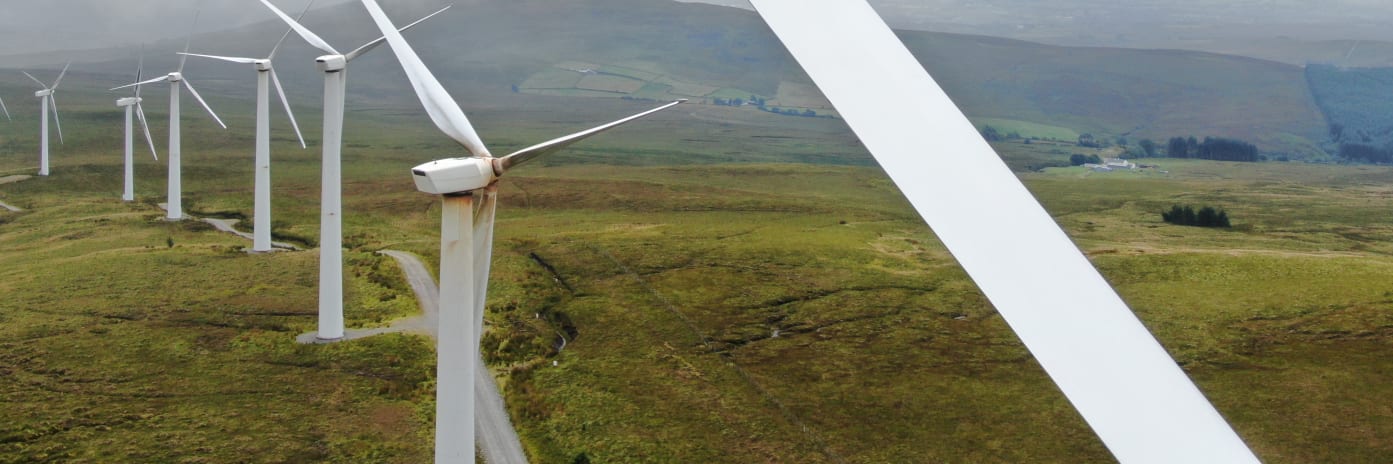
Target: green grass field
735 292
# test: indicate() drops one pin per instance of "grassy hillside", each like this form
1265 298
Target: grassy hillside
1357 99
716 312
664 50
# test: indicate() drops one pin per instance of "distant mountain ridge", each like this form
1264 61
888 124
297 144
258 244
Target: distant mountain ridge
485 47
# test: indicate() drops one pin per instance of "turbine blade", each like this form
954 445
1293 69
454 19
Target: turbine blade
184 57
59 80
232 59
139 70
487 199
198 97
140 113
6 110
151 81
286 35
304 32
367 47
36 80
53 104
442 109
551 146
1123 383
284 101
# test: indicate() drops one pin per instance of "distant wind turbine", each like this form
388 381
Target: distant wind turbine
265 75
335 68
133 108
175 209
46 102
469 188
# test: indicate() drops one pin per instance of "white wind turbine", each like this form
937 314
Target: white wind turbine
175 208
265 76
1114 372
468 187
335 68
134 109
47 102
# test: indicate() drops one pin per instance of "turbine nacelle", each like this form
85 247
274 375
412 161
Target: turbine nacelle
455 176
331 63
262 65
128 101
175 77
43 93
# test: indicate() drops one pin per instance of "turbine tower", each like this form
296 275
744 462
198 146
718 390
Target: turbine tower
46 102
469 188
175 208
133 108
265 75
1114 372
335 69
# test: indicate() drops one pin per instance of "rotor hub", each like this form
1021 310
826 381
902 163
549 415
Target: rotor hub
331 63
43 93
263 65
175 77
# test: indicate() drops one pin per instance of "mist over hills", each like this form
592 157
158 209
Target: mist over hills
484 49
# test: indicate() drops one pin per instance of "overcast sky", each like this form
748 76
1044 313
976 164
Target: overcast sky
46 25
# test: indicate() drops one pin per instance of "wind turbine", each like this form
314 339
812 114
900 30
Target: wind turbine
335 68
265 75
133 108
175 209
469 189
1120 379
46 102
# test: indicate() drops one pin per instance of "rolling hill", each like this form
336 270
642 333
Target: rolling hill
662 50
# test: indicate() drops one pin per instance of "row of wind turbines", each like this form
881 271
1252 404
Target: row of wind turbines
1125 385
468 186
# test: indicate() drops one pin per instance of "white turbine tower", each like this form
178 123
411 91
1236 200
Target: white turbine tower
335 68
469 190
134 109
175 208
265 76
1121 380
46 102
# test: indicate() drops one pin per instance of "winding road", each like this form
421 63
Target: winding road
10 180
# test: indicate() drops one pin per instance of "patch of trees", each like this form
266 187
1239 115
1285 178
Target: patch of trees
1207 216
1365 153
993 135
1212 148
1080 160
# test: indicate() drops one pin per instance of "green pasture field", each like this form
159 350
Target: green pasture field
735 290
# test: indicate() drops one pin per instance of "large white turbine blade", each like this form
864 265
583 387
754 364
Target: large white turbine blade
6 110
140 113
36 80
139 71
442 109
286 102
286 35
304 32
59 80
232 59
53 105
198 97
371 45
1125 385
193 27
137 84
551 146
